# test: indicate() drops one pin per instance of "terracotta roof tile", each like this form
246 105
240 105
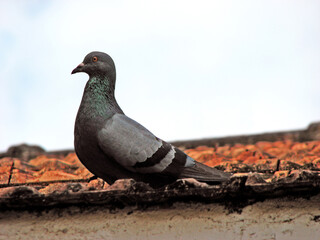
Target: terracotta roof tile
262 168
259 157
5 169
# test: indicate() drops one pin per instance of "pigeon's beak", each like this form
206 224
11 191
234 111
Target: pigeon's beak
78 69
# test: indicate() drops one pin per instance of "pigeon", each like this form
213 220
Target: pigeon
113 146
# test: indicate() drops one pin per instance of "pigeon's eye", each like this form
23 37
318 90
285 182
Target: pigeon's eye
94 59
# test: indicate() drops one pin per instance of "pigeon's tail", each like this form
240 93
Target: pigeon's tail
203 173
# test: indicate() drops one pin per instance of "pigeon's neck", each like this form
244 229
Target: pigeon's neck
98 99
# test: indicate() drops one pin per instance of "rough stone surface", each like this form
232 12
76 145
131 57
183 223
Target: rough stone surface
242 189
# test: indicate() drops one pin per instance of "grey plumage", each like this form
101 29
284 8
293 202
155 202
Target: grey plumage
113 146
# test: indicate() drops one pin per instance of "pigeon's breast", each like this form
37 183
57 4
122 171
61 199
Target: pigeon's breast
87 148
85 132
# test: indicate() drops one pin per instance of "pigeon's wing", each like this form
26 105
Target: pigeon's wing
138 150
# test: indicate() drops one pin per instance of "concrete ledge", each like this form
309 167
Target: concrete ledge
281 219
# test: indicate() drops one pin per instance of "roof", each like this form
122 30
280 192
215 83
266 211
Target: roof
287 164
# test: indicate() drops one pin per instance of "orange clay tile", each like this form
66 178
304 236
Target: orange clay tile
5 168
262 155
272 157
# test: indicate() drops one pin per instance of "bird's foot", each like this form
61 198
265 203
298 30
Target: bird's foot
187 183
195 183
95 183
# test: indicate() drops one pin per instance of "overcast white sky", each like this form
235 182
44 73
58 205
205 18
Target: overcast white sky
185 69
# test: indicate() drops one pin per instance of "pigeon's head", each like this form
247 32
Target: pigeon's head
97 64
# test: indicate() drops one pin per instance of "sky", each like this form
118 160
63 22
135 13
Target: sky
185 69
